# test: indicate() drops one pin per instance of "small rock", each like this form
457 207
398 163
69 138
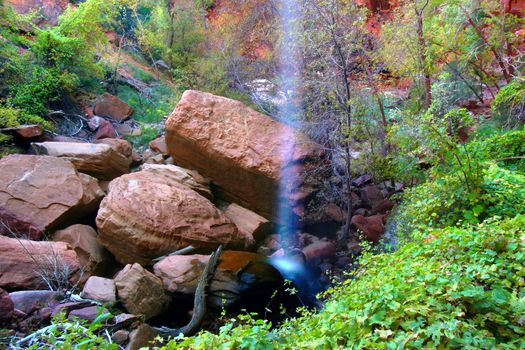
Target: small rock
141 292
319 250
6 307
66 308
362 180
29 301
89 313
159 145
140 337
100 289
93 257
95 122
120 337
156 159
371 196
253 226
383 207
113 107
106 130
372 226
98 160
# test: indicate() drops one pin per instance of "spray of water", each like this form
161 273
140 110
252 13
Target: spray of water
290 111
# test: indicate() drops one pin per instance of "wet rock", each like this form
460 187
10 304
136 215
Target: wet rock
45 192
319 250
113 107
93 257
98 160
373 226
253 226
23 262
141 292
145 216
189 178
7 307
100 289
219 136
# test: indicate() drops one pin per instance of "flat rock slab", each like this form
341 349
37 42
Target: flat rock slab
98 160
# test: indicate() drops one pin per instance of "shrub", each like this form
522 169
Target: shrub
455 288
65 334
508 107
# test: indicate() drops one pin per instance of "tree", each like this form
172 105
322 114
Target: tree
335 43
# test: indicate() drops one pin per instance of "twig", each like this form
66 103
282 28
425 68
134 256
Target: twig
182 251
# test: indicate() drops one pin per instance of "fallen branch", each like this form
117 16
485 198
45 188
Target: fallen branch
182 251
199 308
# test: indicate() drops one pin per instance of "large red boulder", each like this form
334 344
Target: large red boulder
28 265
42 193
244 152
145 216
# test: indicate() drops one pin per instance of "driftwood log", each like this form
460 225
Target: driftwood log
199 308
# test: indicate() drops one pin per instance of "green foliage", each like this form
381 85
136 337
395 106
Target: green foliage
66 334
448 288
508 107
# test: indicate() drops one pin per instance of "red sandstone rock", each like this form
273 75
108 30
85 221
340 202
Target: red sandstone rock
24 261
98 160
106 130
44 192
141 292
238 275
113 107
119 145
191 179
6 307
145 216
100 289
253 226
49 9
372 226
93 257
159 145
240 149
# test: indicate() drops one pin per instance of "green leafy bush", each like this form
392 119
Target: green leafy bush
509 105
66 334
449 288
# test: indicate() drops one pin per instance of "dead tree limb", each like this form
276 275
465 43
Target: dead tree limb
199 308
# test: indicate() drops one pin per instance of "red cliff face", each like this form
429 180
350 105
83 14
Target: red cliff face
516 7
49 9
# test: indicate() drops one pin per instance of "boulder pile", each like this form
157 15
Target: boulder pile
116 229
